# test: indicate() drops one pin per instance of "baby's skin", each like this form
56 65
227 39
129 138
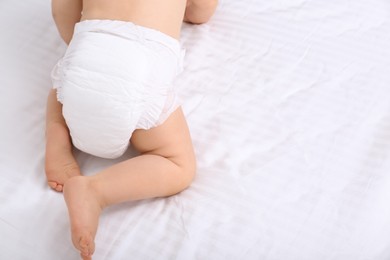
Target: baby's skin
166 164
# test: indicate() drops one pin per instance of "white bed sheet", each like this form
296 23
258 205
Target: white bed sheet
288 103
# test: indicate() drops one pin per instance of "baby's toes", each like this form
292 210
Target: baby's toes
59 187
86 246
55 186
52 184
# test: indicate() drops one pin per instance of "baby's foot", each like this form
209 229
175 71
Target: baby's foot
60 169
84 210
60 165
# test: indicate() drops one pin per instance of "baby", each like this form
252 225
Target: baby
114 87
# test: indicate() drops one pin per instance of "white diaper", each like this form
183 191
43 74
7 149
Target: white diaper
116 77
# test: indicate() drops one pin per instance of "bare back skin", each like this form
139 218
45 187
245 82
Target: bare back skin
164 16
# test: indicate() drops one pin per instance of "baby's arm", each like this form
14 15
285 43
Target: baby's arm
199 11
66 14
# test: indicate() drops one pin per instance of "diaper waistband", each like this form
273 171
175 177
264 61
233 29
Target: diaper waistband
130 30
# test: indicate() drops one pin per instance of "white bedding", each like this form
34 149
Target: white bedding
288 103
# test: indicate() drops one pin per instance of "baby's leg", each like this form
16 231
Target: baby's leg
60 164
165 167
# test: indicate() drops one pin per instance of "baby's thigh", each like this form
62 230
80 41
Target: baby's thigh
170 139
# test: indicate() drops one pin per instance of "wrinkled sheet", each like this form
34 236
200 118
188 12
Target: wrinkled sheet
288 104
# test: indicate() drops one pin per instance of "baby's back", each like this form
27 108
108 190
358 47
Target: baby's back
165 16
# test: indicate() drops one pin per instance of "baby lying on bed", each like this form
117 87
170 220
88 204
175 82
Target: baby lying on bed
114 87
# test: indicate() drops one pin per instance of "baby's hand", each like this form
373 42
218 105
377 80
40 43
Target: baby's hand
199 11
